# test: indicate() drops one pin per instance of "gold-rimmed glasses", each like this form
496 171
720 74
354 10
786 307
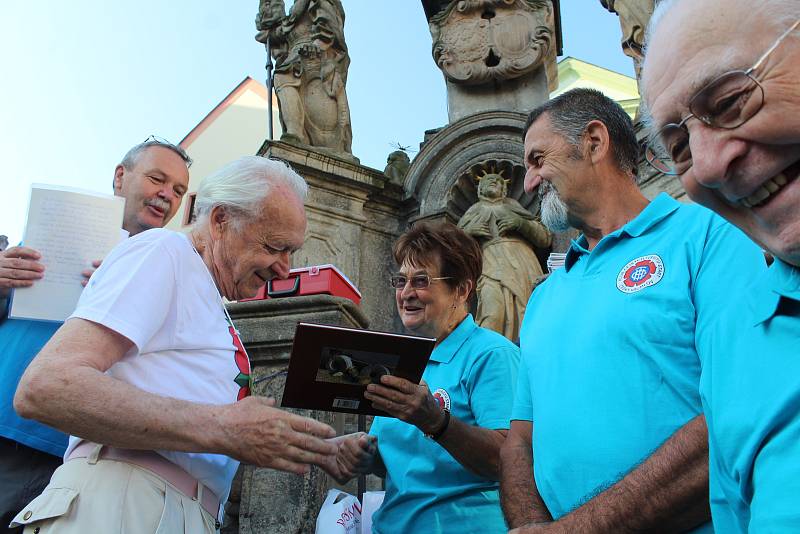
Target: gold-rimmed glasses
418 281
726 102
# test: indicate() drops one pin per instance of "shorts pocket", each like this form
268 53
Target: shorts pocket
53 502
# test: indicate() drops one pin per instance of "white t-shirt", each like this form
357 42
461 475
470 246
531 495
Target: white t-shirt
155 290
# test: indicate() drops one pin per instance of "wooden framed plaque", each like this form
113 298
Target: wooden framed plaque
331 366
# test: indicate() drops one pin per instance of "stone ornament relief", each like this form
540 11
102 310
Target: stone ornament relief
477 41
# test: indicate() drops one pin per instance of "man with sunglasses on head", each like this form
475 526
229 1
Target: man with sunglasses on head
607 414
721 81
152 177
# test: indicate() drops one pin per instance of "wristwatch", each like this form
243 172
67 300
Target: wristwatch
442 429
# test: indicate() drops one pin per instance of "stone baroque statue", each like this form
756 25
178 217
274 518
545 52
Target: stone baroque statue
507 232
633 18
311 63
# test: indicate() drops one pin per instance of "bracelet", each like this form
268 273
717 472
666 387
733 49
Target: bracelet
438 434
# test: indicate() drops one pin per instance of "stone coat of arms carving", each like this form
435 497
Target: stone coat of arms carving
477 41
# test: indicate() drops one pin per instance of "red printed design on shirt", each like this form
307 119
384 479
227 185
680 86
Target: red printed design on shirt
243 364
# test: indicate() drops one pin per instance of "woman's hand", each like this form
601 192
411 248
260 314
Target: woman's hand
409 402
356 456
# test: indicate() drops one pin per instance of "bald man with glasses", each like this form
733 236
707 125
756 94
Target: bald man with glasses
721 81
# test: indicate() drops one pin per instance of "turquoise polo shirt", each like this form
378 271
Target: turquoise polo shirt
472 372
750 388
20 341
609 366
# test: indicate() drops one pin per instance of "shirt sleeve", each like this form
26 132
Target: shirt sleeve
729 264
523 405
133 290
492 380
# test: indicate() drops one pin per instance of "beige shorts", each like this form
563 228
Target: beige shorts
112 497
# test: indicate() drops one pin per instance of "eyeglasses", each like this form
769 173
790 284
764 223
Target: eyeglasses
160 141
157 139
727 102
418 281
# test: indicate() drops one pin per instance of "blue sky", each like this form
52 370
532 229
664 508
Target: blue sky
83 81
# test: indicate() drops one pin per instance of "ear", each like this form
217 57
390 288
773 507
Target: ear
118 179
464 289
597 141
218 219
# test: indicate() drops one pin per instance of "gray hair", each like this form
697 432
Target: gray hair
572 111
242 185
130 158
783 11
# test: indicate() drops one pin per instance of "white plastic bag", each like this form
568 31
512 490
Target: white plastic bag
340 514
371 501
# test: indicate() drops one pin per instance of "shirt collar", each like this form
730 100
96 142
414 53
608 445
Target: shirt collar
444 351
659 208
781 281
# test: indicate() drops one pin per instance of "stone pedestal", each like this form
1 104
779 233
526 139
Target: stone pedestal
264 500
354 216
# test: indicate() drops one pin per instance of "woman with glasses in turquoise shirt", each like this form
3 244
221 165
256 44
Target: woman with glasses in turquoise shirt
439 452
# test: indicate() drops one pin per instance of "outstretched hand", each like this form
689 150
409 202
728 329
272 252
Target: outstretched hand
265 436
356 456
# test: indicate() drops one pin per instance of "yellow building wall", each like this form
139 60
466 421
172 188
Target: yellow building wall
574 73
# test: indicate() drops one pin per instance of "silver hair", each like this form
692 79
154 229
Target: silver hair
130 158
242 185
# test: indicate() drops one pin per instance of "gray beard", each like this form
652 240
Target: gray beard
554 211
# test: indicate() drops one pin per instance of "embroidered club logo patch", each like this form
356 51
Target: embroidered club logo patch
640 273
442 398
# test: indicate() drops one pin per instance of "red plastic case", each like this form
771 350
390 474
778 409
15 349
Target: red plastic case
314 280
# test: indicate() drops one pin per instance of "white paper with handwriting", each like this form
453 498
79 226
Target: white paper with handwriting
70 228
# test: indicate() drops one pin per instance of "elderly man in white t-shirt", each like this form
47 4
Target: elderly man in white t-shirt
150 379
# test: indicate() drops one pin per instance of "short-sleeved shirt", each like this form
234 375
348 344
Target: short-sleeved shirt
609 367
20 341
156 291
750 388
472 372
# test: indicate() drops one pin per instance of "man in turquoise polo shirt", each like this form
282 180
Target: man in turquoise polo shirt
741 158
608 391
153 177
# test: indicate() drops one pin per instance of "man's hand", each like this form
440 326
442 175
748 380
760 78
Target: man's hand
19 267
87 273
262 435
409 402
356 456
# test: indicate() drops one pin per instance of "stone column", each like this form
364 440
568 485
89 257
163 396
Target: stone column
494 54
355 213
264 500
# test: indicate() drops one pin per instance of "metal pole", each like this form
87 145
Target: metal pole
269 91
